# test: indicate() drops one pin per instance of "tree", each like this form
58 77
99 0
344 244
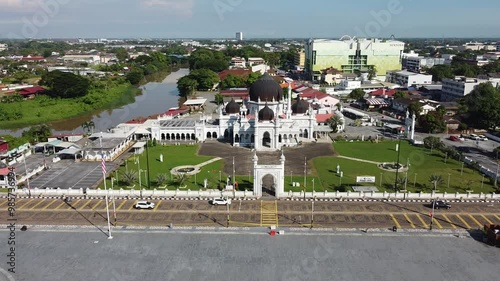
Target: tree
399 95
219 99
129 177
335 122
252 78
372 73
432 122
206 78
135 77
65 85
436 180
440 72
40 133
482 106
180 179
433 143
232 81
187 86
20 76
88 127
357 94
121 54
415 108
161 179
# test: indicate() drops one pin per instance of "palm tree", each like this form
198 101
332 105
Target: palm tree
91 126
372 73
335 122
129 177
161 179
180 179
85 127
436 180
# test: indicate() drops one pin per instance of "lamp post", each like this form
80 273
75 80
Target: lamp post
433 206
113 199
27 177
381 176
313 185
449 177
415 181
147 162
305 172
482 182
397 165
496 174
341 175
312 213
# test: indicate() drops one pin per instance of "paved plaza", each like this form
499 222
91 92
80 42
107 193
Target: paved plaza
70 174
243 254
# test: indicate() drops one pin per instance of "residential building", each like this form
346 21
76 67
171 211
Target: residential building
255 61
476 46
239 36
415 64
4 146
458 87
238 62
300 59
448 58
407 79
3 47
30 58
90 59
353 55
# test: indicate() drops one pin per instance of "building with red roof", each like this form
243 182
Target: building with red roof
32 91
234 72
33 59
4 146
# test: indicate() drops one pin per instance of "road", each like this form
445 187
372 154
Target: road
255 213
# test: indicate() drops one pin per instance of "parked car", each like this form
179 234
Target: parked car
144 205
453 138
474 137
483 138
220 201
440 204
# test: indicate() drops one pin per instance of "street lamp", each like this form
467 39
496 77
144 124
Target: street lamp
433 206
415 181
381 176
397 165
313 185
147 162
449 177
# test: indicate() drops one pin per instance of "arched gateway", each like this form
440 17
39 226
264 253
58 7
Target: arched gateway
276 171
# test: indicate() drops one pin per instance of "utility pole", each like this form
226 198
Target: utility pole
305 172
147 162
433 206
397 165
312 213
28 178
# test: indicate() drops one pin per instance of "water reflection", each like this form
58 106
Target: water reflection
155 98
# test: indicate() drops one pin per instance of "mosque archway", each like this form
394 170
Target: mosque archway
266 140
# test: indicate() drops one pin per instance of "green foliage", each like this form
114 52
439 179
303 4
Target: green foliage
219 99
435 180
206 78
12 98
252 78
232 81
482 106
38 133
129 177
415 108
20 76
121 54
65 85
334 122
208 59
433 143
187 86
161 179
432 122
399 95
440 72
357 94
135 77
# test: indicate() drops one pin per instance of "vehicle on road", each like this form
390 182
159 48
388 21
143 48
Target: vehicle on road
440 204
482 138
220 201
144 205
453 138
474 137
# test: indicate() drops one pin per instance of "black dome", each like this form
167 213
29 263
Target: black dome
232 107
266 114
300 106
266 88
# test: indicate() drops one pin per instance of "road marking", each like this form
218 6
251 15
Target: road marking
84 177
60 205
463 221
98 202
156 207
25 204
408 220
52 202
477 222
422 221
85 205
436 221
37 204
498 218
395 221
490 222
6 201
131 207
449 221
121 205
72 205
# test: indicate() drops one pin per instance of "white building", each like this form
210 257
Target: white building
90 59
267 121
406 78
459 87
239 36
3 47
416 64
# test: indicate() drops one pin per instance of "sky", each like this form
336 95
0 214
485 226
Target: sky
255 18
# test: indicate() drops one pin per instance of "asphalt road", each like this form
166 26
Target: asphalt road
83 254
255 213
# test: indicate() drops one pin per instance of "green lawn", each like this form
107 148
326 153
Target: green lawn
173 156
423 164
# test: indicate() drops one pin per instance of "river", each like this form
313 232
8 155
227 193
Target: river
156 98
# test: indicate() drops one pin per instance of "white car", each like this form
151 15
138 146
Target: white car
483 138
220 201
144 205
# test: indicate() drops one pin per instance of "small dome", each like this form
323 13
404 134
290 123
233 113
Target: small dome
266 114
265 89
300 106
232 107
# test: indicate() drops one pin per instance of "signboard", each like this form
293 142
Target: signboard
365 179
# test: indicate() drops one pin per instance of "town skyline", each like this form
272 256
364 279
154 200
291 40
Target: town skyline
222 18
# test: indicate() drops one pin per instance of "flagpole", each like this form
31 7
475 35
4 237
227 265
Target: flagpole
103 163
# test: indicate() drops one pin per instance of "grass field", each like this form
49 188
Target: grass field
423 164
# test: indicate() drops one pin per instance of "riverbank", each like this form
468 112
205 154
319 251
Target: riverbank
43 109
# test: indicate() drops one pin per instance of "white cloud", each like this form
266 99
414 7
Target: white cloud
20 5
176 7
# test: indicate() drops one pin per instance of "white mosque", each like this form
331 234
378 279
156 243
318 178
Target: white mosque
266 121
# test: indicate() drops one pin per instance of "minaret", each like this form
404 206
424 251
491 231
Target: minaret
255 161
289 106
